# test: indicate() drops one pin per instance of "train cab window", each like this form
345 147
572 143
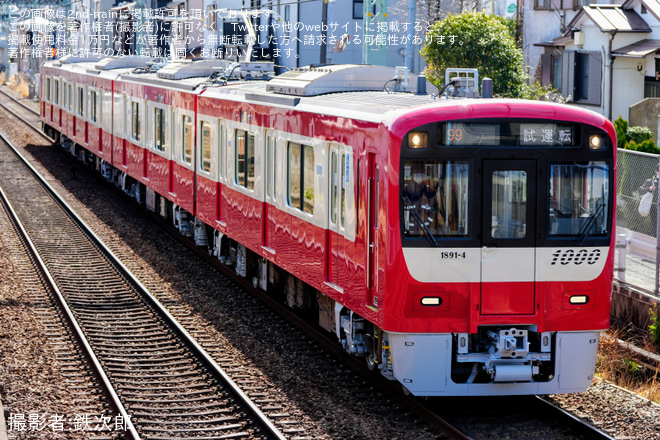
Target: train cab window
93 106
81 102
245 159
300 169
578 199
135 121
159 129
187 139
205 142
509 204
435 198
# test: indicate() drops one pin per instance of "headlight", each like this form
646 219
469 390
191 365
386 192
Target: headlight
597 142
418 139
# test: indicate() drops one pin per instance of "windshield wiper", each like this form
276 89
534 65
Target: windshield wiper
408 204
586 228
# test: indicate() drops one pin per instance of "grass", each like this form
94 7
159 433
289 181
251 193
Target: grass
621 366
17 84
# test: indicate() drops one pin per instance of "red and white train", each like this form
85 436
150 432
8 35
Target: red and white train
462 246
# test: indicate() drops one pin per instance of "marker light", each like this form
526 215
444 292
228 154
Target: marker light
431 301
418 140
597 142
578 299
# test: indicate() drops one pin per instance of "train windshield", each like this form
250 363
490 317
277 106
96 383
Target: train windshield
578 199
435 198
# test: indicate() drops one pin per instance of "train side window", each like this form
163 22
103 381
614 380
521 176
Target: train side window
81 102
222 149
245 159
205 142
301 177
187 139
159 129
64 100
106 116
334 184
135 118
344 166
56 93
93 106
47 91
271 167
70 98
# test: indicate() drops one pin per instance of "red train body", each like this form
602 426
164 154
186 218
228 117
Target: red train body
462 246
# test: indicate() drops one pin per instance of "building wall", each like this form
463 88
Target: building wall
541 26
628 86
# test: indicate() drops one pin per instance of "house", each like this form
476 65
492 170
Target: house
608 58
542 21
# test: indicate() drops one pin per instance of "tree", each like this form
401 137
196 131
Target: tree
476 40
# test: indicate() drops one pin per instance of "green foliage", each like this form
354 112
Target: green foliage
634 138
621 127
630 369
639 134
481 41
654 324
648 146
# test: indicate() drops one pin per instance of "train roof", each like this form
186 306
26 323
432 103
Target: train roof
359 92
363 105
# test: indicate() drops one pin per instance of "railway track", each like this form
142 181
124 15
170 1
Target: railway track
431 411
159 379
22 111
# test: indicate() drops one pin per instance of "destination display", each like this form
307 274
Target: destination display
471 134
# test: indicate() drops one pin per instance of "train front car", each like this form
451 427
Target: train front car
505 217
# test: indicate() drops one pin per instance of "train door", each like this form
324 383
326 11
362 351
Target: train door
372 230
271 173
334 213
508 237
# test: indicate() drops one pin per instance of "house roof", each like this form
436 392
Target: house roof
557 42
653 6
640 49
611 18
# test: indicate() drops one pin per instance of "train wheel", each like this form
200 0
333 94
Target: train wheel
372 362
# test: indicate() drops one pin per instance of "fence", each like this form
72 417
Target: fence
637 255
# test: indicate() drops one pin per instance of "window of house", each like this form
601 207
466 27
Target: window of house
358 9
210 18
542 4
245 159
301 177
581 76
556 72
